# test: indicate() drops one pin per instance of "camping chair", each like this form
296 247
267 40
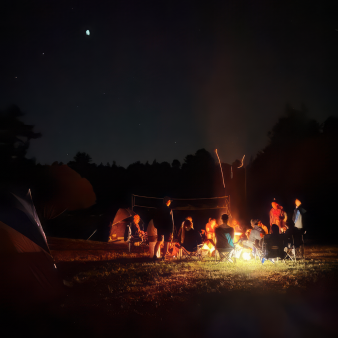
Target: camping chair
273 248
224 246
191 255
298 242
225 255
295 246
139 240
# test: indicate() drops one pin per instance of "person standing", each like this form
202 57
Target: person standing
152 238
277 216
164 225
298 216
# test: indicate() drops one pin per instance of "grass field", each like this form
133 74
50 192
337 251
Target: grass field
131 295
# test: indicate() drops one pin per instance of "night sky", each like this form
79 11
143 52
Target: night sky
162 79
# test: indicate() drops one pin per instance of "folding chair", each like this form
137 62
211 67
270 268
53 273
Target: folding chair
290 248
225 255
273 248
140 241
295 247
192 255
298 240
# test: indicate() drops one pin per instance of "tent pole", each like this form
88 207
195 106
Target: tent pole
132 202
91 234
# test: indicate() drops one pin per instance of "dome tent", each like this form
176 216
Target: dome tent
26 265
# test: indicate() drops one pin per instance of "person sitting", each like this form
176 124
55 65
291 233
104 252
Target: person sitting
274 244
210 230
224 236
239 232
190 238
261 225
256 235
136 226
134 230
189 218
236 225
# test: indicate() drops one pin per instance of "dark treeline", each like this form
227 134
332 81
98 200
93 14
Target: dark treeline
299 161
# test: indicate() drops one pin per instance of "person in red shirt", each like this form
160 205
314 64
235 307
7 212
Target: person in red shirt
277 216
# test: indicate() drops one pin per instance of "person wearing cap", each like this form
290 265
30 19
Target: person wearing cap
164 225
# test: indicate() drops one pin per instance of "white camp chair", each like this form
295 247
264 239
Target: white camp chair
225 255
195 255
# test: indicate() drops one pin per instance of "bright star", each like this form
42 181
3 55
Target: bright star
87 32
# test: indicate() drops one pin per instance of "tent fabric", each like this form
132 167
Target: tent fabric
60 188
27 206
118 226
19 221
122 214
13 242
28 273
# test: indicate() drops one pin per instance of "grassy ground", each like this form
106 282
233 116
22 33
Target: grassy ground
131 295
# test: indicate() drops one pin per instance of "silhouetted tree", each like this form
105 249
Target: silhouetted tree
15 138
299 162
82 158
14 135
176 164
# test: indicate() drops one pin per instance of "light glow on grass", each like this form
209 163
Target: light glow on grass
246 256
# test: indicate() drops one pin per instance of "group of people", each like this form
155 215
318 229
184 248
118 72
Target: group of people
161 228
280 226
189 237
279 217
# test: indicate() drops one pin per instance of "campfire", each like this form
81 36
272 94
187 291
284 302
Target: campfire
237 236
208 248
